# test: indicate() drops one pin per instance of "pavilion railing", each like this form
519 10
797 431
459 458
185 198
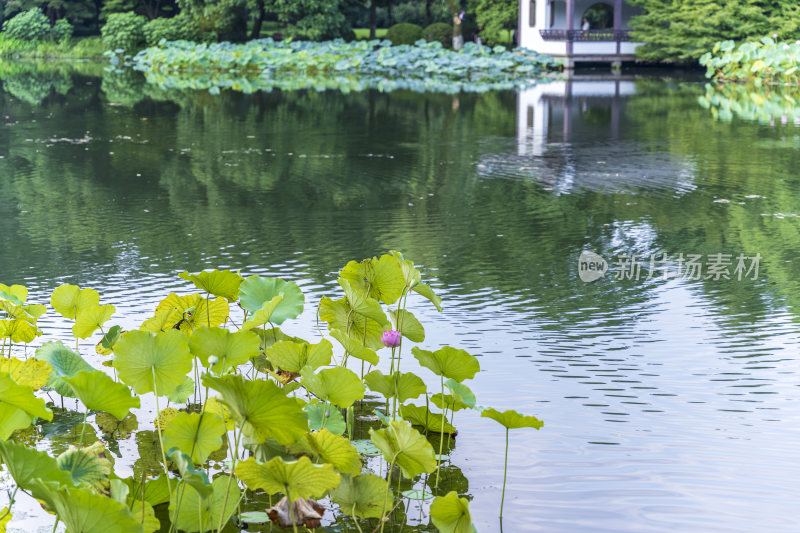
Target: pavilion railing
585 35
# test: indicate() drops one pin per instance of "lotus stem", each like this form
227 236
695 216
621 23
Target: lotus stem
230 478
11 503
388 490
441 435
55 525
158 427
505 471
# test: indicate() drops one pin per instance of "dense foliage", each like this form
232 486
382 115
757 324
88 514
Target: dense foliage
124 30
683 31
264 64
767 61
31 25
440 32
241 387
404 33
176 28
493 17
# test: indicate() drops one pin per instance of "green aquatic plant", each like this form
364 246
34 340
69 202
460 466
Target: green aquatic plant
295 406
510 420
764 61
266 64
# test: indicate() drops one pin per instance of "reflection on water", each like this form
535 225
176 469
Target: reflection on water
668 404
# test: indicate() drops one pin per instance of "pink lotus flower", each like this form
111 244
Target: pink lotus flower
774 35
391 338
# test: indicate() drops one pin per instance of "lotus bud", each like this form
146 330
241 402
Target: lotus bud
213 360
391 338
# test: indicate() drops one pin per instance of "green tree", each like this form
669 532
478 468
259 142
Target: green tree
681 31
494 16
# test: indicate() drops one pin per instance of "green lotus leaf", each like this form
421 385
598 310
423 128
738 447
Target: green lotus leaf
324 415
263 315
106 344
213 405
407 447
195 434
149 362
222 283
325 447
31 372
406 323
182 392
253 517
448 362
404 386
450 514
260 407
204 514
90 319
462 391
340 386
145 515
426 292
264 451
365 496
232 349
256 291
511 419
451 402
118 490
84 511
381 279
297 479
293 356
18 405
16 293
69 300
64 362
88 466
156 491
26 464
186 312
421 416
363 304
340 316
195 478
354 347
98 392
114 427
18 311
18 330
417 494
411 276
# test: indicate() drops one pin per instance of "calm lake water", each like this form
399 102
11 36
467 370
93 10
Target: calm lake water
669 404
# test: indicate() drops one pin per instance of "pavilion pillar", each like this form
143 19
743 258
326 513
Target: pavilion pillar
570 24
617 22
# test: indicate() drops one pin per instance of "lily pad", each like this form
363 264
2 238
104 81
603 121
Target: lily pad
421 416
293 356
98 392
222 283
195 434
64 362
204 514
149 362
404 386
231 348
450 514
511 419
364 496
298 479
340 386
261 407
256 291
406 323
404 445
324 415
69 300
325 447
448 362
90 319
31 372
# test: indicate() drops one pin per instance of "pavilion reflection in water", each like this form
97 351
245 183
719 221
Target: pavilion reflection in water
574 134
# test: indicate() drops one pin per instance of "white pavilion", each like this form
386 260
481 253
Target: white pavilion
559 28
